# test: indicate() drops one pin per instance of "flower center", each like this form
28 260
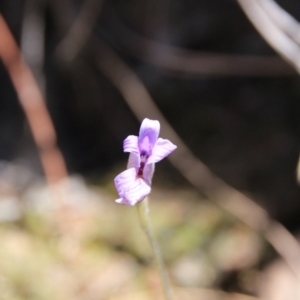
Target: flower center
145 146
144 158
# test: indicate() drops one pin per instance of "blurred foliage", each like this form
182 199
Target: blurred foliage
97 250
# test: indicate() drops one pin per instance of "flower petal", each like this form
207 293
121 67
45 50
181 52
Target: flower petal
161 149
149 132
133 161
148 173
130 188
137 192
130 144
125 180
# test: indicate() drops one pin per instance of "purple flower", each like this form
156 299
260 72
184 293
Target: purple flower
134 184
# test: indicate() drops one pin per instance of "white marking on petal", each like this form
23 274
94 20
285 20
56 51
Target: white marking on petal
123 201
119 200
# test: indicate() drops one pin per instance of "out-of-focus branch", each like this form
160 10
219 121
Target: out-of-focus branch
33 39
80 30
282 19
181 61
33 105
63 14
236 203
272 33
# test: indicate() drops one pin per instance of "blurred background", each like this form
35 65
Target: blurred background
226 93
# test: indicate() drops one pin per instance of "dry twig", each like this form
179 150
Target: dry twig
33 105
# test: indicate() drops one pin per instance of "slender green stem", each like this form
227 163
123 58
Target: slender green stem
143 213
